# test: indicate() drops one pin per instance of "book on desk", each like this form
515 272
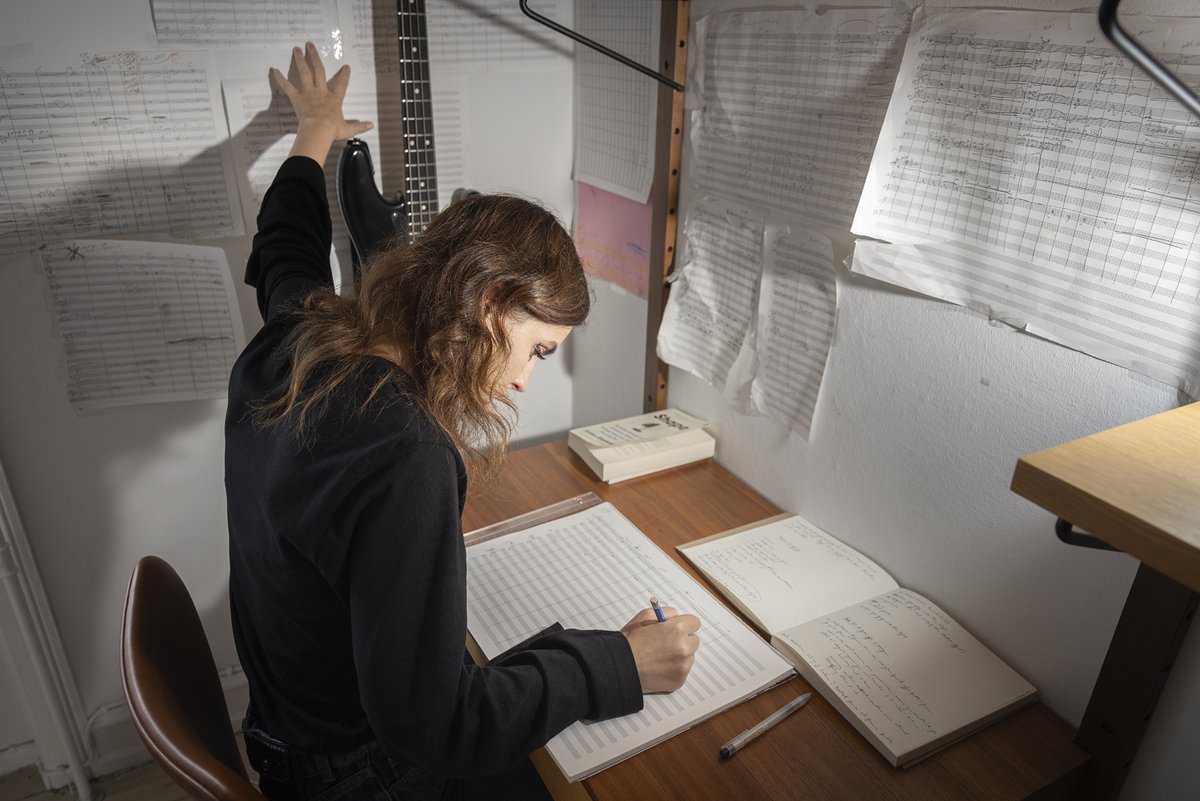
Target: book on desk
643 444
906 675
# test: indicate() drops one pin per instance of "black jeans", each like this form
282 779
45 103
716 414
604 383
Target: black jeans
367 774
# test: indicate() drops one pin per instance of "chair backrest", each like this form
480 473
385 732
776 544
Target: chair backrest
173 688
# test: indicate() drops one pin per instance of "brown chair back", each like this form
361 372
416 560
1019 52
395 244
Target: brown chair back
173 688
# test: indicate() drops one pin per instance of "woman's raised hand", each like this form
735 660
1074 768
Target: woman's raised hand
317 102
664 652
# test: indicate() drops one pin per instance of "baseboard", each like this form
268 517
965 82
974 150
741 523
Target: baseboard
116 745
18 756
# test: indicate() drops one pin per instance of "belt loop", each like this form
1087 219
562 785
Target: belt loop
323 767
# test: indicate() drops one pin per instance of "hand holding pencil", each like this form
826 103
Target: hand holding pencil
664 648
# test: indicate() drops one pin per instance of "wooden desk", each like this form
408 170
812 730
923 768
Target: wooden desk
1137 488
814 754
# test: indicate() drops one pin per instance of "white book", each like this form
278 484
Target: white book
643 444
906 675
593 570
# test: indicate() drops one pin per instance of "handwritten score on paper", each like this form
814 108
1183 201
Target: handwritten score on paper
142 322
615 105
1028 170
592 570
111 144
791 105
712 302
225 24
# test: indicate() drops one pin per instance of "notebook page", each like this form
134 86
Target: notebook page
788 571
904 673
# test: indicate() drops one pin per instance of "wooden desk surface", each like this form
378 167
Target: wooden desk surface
814 754
1136 486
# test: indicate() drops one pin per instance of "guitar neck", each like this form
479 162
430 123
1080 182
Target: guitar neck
420 166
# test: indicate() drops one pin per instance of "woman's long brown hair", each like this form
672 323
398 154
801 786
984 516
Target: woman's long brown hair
442 301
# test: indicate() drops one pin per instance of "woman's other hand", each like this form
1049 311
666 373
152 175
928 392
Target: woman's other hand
317 102
664 652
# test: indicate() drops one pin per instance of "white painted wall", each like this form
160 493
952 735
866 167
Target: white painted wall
924 410
97 491
608 360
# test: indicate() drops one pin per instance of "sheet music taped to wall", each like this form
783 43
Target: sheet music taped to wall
143 322
1028 170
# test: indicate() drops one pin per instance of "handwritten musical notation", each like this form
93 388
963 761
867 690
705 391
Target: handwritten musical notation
262 22
142 322
712 303
614 105
792 104
112 144
1040 176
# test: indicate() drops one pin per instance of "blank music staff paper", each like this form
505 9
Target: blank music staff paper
790 105
797 307
1028 170
594 570
712 302
615 105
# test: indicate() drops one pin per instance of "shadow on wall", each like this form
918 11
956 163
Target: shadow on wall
96 490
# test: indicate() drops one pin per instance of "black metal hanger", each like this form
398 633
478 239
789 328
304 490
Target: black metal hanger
1139 55
583 40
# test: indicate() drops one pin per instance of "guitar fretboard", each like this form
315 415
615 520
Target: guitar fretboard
420 166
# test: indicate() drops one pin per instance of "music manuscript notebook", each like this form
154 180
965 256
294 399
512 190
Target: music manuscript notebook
646 443
594 570
897 667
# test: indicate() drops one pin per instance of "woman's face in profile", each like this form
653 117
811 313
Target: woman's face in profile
531 340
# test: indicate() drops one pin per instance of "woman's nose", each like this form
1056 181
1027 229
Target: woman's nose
522 381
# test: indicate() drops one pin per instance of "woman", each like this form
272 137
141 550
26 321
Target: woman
345 481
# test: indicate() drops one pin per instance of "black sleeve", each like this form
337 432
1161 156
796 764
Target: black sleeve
290 255
408 614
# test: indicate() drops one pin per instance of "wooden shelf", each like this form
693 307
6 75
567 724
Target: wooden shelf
1136 487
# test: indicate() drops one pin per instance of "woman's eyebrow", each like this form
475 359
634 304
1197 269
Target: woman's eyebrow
548 347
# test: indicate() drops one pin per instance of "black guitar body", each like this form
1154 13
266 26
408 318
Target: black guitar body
371 219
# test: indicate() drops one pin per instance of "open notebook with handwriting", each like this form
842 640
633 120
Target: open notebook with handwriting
593 569
898 668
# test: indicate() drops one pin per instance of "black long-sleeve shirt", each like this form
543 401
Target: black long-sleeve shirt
347 565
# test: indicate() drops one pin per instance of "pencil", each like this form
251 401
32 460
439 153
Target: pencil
658 613
738 743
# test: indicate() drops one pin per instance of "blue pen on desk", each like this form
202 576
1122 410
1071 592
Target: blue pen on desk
737 743
657 609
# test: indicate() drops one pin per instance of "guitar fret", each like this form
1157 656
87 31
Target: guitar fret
420 175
